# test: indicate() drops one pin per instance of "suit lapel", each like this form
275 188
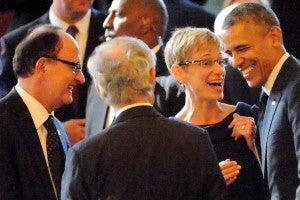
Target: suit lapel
271 107
27 133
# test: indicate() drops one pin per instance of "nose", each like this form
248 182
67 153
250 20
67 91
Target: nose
107 24
236 61
80 77
219 68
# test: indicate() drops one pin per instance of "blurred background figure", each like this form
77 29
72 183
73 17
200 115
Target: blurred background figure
184 13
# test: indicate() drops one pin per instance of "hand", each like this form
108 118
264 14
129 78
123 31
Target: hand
75 129
243 127
230 170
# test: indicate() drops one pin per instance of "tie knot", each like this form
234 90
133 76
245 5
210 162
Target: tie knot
49 125
72 30
263 99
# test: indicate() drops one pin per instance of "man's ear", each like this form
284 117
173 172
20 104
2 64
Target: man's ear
40 66
153 76
276 34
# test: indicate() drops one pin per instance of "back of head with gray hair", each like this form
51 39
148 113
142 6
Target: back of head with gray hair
186 40
122 66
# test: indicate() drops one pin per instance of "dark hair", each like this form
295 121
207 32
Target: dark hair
42 41
251 13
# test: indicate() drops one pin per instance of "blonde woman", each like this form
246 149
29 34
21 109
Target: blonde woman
194 58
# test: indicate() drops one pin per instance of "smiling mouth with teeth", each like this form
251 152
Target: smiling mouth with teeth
247 70
216 83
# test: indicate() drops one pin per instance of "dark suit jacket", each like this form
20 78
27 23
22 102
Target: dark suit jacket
11 40
184 13
144 155
24 173
280 134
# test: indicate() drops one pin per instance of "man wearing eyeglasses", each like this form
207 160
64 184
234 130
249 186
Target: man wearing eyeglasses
33 142
64 14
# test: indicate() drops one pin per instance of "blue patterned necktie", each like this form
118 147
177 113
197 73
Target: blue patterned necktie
55 154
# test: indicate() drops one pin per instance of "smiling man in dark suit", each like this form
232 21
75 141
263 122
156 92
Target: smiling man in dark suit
253 40
46 64
62 13
142 155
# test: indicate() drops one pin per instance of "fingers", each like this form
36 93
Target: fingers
233 122
243 126
230 170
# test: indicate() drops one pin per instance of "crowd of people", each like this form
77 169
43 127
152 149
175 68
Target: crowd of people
149 99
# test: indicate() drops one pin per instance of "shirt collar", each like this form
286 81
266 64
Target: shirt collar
267 87
82 25
131 106
37 111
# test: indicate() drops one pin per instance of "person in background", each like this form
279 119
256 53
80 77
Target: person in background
142 155
254 43
46 64
70 15
227 3
194 58
184 13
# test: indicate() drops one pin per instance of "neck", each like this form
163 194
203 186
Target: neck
202 112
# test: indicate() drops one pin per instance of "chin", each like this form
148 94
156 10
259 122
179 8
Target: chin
68 100
253 84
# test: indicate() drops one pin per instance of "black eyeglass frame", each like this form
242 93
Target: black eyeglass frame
223 62
76 66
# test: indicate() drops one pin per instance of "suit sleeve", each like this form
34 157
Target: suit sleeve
73 180
215 187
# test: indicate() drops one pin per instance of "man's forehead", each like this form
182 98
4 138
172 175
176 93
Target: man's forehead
121 5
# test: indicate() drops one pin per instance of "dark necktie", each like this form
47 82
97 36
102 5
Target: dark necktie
73 31
262 108
55 155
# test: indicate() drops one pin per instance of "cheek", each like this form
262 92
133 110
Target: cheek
120 25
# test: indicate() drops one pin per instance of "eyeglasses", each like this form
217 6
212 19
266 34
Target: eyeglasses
76 66
206 63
